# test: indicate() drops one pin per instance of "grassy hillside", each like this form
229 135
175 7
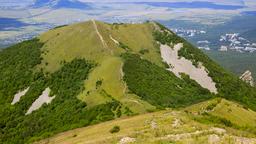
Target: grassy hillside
99 72
220 111
69 42
81 40
169 126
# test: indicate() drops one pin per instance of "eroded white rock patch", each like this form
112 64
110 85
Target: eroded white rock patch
181 65
44 98
19 95
127 140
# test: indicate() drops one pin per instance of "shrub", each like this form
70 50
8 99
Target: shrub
144 51
98 83
115 129
123 46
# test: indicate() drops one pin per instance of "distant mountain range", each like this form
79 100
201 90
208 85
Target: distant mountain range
61 4
194 4
44 3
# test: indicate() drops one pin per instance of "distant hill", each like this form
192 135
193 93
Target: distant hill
10 23
61 4
194 4
250 35
86 73
236 62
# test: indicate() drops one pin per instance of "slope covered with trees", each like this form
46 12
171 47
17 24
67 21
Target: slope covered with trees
159 86
63 113
229 86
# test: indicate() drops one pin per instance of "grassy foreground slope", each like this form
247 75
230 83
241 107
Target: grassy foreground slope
235 114
169 126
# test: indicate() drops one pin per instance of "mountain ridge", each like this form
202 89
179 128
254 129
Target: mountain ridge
97 72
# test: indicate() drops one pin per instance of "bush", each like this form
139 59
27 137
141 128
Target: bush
144 51
123 46
115 129
98 83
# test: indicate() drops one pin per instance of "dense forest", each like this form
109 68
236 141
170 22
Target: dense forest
159 86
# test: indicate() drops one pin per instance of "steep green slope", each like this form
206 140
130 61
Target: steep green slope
160 87
97 72
229 86
65 112
16 67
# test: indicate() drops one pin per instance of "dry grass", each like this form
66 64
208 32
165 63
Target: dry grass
169 126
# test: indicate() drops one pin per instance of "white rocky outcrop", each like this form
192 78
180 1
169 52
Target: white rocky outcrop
42 99
247 77
127 140
176 123
19 95
214 139
181 65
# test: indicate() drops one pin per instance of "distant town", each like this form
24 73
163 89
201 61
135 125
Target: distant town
188 32
227 42
24 36
237 43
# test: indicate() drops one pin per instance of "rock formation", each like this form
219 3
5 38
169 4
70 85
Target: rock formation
247 77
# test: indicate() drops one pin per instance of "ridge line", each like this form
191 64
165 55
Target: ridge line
101 37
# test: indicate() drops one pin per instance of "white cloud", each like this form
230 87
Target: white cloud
226 2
